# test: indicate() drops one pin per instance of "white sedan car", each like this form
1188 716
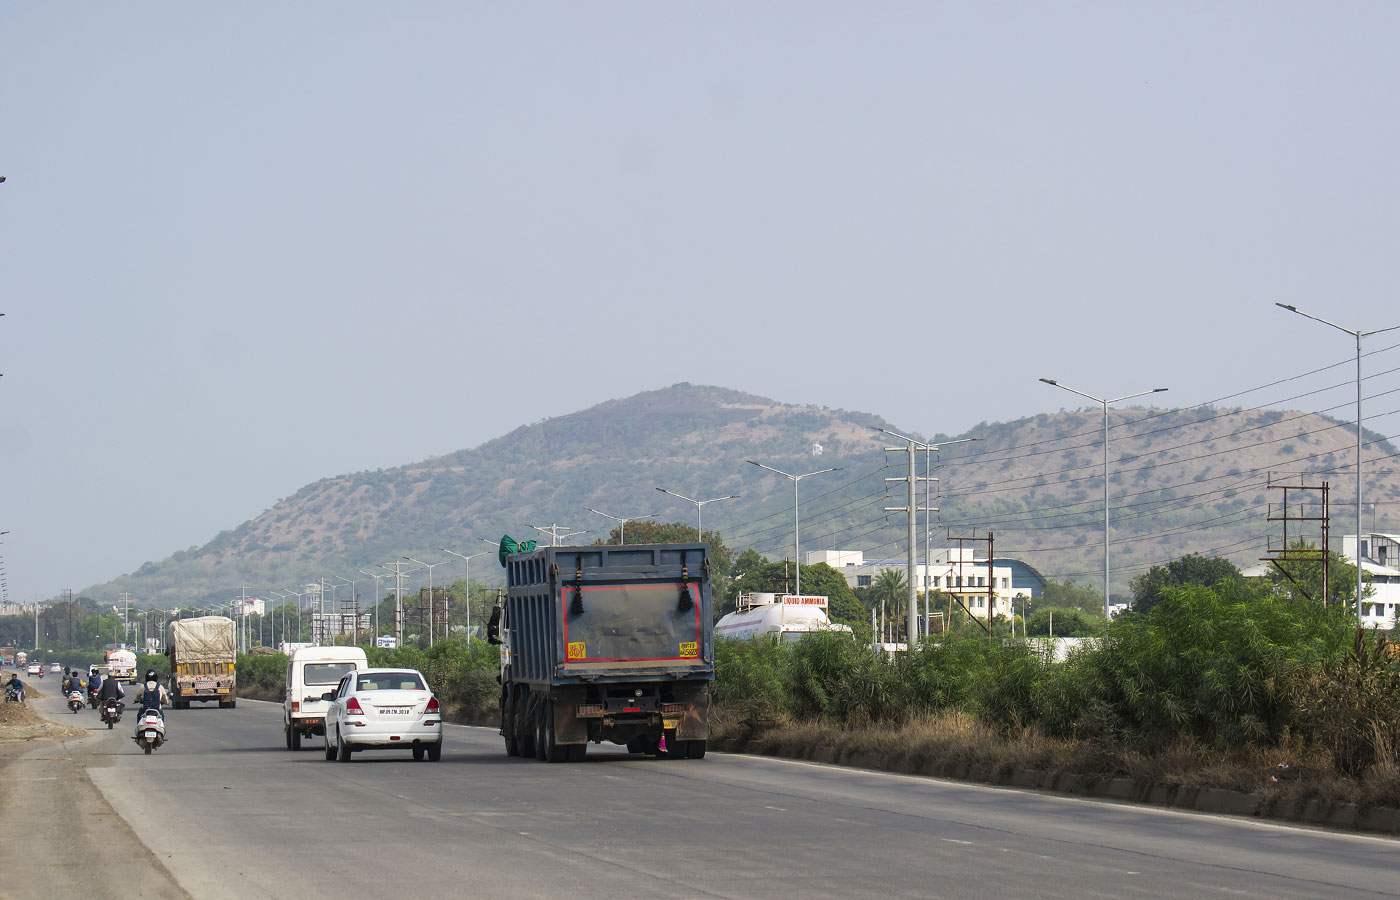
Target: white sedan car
379 708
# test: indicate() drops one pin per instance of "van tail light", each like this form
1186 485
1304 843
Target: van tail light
352 707
296 706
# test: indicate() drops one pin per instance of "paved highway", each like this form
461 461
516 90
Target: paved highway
232 813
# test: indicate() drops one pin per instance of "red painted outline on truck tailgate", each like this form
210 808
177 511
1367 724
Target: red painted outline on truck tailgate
564 613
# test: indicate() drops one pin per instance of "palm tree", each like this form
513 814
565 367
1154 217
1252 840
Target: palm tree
889 586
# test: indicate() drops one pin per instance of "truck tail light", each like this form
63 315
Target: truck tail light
674 709
589 709
352 708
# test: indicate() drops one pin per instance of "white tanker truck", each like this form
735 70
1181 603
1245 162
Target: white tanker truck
790 616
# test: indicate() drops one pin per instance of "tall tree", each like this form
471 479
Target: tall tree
1206 571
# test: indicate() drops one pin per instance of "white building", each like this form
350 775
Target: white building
252 606
952 571
1380 562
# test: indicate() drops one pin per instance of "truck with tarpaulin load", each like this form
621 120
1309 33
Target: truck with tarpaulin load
605 643
202 655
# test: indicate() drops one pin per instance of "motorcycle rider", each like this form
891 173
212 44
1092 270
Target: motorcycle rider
94 681
111 689
74 682
154 695
14 684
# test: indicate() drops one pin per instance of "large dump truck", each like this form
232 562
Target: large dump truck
606 643
202 655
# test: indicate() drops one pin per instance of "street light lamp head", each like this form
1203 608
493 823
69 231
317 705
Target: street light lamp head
1158 390
1286 306
1050 381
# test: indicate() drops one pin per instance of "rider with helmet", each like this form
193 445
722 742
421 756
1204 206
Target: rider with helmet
153 695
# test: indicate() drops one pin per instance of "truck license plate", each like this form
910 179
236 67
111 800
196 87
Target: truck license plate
204 685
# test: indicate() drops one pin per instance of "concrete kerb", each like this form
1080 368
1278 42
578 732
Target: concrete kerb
1218 801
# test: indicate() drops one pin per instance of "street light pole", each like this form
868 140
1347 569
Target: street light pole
796 559
430 592
1105 404
467 562
378 599
699 530
1358 335
622 532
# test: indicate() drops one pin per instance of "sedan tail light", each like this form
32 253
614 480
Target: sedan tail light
352 708
432 706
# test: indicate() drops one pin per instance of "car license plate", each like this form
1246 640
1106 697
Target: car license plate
395 710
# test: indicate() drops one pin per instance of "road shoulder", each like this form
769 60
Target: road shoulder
59 837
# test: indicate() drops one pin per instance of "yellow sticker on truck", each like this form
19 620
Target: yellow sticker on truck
576 650
689 650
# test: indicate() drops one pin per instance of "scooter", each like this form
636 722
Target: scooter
150 730
75 701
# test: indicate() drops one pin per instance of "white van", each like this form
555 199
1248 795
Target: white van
311 672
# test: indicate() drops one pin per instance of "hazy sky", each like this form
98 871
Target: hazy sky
250 245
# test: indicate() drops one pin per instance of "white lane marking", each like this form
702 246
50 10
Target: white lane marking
964 843
778 808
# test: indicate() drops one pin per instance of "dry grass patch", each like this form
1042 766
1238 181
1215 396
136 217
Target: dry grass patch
956 742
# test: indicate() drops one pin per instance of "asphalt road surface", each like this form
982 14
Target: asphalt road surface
231 813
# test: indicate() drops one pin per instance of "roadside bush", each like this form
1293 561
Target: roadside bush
1216 664
750 678
262 676
831 675
1351 707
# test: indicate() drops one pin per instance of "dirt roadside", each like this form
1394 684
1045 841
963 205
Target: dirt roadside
59 838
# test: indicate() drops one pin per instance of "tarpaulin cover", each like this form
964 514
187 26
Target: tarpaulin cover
205 639
509 546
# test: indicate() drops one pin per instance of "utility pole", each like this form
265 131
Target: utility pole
398 568
912 509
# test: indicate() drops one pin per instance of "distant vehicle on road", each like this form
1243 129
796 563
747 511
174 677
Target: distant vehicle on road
35 669
383 708
121 664
310 673
55 668
202 657
606 643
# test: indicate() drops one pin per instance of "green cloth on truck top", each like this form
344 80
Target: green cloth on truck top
509 546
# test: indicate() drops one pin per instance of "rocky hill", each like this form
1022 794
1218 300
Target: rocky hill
1183 481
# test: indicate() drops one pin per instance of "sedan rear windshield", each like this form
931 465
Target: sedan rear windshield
391 681
325 673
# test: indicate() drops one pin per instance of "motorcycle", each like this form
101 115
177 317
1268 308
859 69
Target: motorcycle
75 701
14 695
112 712
150 730
92 698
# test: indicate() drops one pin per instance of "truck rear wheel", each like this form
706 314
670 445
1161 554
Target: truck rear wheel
577 752
695 749
553 751
508 726
540 736
524 727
